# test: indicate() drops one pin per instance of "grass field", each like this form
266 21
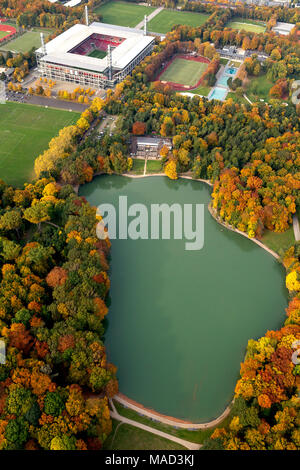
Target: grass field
198 436
122 13
224 61
138 166
154 166
279 242
3 34
25 131
236 98
127 437
11 22
184 72
258 88
25 42
166 19
98 54
247 25
201 90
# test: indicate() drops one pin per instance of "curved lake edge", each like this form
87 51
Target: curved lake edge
151 413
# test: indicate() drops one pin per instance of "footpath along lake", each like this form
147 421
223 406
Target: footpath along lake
179 321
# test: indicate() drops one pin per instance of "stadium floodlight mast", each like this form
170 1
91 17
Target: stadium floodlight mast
44 52
2 93
109 62
86 10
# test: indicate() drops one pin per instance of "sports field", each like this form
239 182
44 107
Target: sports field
184 72
98 54
3 34
166 19
25 131
25 42
247 25
122 13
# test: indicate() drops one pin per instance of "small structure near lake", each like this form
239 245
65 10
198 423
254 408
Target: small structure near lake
149 147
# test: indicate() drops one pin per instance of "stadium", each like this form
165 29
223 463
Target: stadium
98 55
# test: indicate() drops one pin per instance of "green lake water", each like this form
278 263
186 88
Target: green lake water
179 321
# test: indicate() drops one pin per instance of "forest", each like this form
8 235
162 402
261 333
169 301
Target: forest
54 282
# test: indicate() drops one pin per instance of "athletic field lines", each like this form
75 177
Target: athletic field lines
247 26
25 132
3 34
184 72
166 19
123 13
25 42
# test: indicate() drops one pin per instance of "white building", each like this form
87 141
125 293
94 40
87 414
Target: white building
99 55
283 28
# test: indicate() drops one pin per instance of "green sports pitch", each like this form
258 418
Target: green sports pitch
166 19
25 131
184 72
25 42
97 53
247 25
3 34
122 13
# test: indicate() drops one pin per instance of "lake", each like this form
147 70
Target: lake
179 321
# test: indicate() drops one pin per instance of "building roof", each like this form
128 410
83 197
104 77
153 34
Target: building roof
152 141
57 50
72 3
283 28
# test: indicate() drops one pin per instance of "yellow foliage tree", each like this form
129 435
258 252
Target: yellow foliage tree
170 170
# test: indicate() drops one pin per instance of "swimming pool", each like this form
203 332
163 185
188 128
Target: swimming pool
223 80
218 93
231 70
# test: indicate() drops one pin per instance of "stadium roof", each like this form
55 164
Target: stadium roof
72 3
57 50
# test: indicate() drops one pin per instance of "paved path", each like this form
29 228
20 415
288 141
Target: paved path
177 423
215 215
189 445
246 98
152 15
56 103
296 228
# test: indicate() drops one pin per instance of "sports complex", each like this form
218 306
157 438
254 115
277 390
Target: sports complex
6 31
99 55
184 72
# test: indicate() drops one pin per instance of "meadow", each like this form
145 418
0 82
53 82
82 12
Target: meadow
259 87
166 19
122 13
25 132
